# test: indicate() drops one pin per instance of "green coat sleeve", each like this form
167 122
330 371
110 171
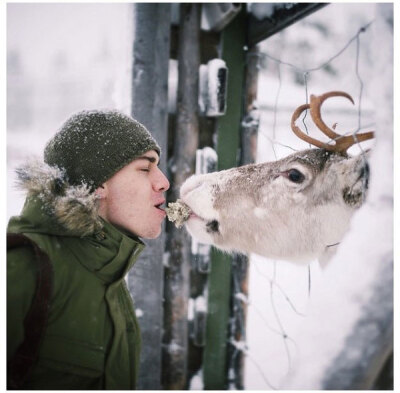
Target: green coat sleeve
21 284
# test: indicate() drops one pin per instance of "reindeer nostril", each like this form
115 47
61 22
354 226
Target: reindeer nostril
212 226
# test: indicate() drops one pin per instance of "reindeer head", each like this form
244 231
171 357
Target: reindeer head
297 208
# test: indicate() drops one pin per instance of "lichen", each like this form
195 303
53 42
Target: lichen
178 212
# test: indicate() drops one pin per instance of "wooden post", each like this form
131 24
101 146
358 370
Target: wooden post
240 263
215 352
177 271
150 107
251 119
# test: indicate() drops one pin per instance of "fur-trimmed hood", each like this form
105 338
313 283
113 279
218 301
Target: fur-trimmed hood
72 208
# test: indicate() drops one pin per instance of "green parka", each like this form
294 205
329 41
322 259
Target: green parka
92 338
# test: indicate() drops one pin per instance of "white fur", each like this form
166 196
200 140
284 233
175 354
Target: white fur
74 207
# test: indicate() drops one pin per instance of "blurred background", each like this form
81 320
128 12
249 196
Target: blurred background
61 59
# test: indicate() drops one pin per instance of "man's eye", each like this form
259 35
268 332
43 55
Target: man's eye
145 170
295 176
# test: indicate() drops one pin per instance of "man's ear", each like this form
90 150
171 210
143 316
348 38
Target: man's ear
101 191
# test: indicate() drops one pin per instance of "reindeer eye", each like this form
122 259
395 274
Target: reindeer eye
295 176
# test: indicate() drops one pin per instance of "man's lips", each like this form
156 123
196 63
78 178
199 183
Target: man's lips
159 205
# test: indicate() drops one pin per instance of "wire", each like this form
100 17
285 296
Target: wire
324 64
305 72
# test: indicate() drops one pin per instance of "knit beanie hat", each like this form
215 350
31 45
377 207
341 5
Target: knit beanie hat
92 146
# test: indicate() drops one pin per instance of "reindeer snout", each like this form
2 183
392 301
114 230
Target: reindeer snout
189 185
196 182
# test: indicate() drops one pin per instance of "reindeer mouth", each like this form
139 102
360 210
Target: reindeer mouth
212 226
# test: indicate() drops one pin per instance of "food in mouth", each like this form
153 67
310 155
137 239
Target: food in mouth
178 212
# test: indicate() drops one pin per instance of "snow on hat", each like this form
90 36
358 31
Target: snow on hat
92 146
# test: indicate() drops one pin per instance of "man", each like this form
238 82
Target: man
98 191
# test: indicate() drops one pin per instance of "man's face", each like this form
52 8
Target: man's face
131 199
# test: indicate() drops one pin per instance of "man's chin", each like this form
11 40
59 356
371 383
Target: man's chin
151 234
145 233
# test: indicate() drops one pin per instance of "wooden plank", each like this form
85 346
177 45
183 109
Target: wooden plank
209 44
149 106
176 289
228 139
240 263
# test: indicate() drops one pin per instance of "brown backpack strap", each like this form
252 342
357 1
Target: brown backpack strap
35 321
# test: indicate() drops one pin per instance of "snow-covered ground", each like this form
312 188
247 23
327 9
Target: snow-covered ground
282 296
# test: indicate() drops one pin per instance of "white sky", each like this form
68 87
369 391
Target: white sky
40 29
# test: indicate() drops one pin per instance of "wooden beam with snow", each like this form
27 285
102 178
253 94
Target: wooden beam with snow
277 17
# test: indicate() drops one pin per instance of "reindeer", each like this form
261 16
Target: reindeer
297 208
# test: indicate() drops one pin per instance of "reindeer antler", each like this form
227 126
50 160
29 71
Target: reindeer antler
342 142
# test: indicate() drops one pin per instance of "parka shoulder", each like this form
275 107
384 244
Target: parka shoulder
92 338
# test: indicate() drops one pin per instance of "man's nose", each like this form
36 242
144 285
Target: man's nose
161 183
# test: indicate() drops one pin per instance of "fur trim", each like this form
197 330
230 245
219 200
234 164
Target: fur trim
74 207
